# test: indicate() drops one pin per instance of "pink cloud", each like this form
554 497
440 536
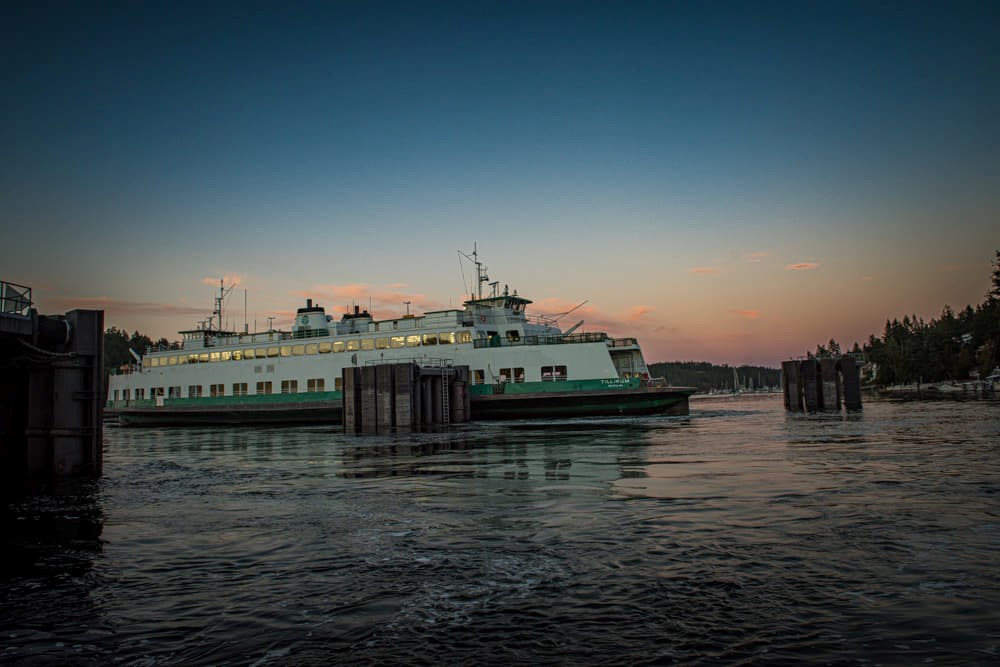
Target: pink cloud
639 312
704 270
755 256
802 266
748 314
384 303
228 279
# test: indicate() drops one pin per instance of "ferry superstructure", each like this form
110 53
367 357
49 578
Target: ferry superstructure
284 376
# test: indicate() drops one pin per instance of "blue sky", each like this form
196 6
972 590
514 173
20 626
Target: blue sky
728 181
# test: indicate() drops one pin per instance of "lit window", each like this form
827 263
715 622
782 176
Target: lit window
430 339
446 338
153 362
381 343
338 346
478 376
464 336
412 341
338 384
171 361
367 344
203 358
312 348
248 353
554 373
324 348
353 345
237 355
513 335
397 341
286 350
272 351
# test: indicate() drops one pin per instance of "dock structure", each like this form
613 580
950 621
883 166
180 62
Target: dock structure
814 385
51 392
404 396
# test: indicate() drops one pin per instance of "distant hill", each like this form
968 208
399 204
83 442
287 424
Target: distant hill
709 377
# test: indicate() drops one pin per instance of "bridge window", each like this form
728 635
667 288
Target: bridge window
239 389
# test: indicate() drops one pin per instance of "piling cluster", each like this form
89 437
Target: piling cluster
404 396
51 395
815 385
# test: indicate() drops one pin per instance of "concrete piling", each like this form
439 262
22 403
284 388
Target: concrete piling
791 385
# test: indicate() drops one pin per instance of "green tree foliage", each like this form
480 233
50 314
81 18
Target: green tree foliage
709 377
948 348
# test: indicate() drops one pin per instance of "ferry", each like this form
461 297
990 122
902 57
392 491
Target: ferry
520 366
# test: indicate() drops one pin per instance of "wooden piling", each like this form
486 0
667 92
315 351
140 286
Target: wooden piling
829 384
792 386
809 372
386 396
851 375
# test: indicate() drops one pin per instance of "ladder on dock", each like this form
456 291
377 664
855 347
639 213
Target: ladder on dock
445 395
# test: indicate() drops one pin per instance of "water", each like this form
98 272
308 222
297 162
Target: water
740 534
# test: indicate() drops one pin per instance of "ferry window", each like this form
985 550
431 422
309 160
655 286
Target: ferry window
395 324
505 375
412 341
203 357
248 353
258 369
324 348
312 348
397 341
182 360
464 336
264 387
353 345
153 362
125 393
139 394
298 350
239 389
213 356
289 386
286 350
171 361
367 344
194 391
174 392
156 391
478 376
272 351
518 375
218 390
338 384
381 343
447 338
116 395
237 355
513 335
270 368
316 384
553 372
430 339
338 346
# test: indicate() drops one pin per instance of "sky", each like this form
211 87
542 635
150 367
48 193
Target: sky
732 182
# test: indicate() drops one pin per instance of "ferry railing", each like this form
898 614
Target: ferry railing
14 298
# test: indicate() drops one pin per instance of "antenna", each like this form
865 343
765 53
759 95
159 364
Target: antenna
481 276
223 293
407 303
270 319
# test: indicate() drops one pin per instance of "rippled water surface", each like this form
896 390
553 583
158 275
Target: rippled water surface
740 534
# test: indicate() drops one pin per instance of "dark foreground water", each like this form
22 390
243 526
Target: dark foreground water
737 535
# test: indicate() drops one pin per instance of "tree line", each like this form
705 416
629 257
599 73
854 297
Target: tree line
706 377
950 347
